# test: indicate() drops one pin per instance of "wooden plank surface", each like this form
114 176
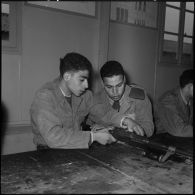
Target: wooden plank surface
116 168
170 176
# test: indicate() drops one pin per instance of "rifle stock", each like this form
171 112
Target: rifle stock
149 145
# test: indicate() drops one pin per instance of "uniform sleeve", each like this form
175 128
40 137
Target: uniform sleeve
172 122
102 114
144 116
46 121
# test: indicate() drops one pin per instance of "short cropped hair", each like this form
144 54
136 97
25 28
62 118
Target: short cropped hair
74 62
111 68
186 77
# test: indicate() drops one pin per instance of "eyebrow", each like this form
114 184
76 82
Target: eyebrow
84 77
116 85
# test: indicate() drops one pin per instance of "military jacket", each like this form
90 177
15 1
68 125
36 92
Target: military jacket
172 115
135 102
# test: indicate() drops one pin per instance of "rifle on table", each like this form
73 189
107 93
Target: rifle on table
150 148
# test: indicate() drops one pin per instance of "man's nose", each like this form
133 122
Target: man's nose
86 84
114 90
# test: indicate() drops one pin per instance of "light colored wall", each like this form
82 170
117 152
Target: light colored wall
167 78
11 86
19 141
134 48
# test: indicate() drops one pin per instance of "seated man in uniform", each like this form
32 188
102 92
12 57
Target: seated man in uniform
174 109
126 99
60 106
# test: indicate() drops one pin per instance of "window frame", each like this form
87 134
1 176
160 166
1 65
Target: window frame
13 45
181 34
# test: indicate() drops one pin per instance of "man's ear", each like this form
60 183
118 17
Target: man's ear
67 76
124 79
191 86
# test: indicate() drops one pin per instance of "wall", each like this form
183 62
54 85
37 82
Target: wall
17 139
135 48
167 78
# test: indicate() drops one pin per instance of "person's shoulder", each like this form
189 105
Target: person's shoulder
87 95
136 92
47 89
170 95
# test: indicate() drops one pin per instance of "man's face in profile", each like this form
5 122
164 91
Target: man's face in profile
78 82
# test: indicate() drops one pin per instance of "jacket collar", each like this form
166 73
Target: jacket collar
58 92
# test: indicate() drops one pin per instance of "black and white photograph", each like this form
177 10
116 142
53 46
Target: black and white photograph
97 97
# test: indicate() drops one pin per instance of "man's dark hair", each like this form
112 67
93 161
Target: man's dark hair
111 68
74 62
186 77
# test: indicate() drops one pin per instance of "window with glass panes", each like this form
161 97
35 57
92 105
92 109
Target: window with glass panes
176 24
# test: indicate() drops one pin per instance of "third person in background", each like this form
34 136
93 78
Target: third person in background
174 109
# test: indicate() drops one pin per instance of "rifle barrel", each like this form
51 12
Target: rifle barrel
122 135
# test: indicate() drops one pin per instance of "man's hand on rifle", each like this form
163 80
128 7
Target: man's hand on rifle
132 126
101 134
102 128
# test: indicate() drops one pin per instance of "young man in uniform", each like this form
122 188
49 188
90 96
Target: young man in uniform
59 107
126 99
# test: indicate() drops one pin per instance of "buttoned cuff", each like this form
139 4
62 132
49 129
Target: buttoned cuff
91 137
121 123
131 116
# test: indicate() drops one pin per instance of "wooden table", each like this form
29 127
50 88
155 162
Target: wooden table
116 168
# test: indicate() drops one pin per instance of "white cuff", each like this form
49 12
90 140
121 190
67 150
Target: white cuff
121 123
91 137
131 116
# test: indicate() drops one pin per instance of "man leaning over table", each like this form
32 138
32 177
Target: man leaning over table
130 100
60 106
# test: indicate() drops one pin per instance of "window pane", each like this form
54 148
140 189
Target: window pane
172 20
5 8
170 37
187 40
187 51
177 4
189 20
170 45
187 46
5 21
190 6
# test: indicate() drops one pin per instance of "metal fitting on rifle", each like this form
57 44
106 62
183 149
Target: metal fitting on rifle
188 161
150 155
170 151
